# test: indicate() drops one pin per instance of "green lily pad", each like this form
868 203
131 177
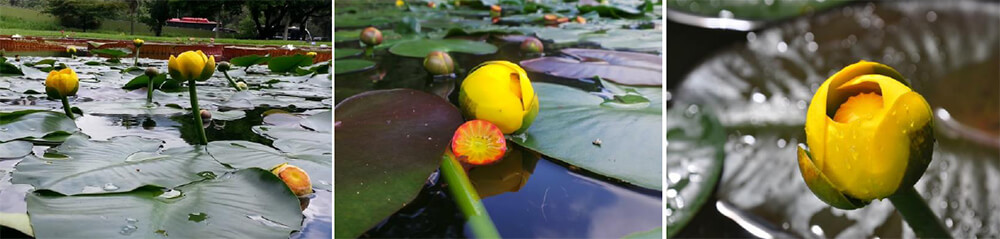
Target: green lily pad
282 64
351 65
622 67
346 52
755 10
249 60
250 203
133 106
695 144
420 48
244 154
142 81
373 179
9 69
617 141
34 124
15 149
111 52
118 165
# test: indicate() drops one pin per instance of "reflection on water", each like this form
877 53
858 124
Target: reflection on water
759 90
556 202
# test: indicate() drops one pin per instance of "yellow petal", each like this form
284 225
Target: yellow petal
487 94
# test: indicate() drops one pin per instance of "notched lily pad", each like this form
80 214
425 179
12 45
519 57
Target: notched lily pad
35 125
621 67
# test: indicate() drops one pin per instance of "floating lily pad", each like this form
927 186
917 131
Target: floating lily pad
131 107
244 154
110 52
250 203
118 165
142 81
346 52
297 135
249 60
617 141
7 68
695 147
351 65
373 179
651 234
621 67
420 48
34 124
282 64
15 149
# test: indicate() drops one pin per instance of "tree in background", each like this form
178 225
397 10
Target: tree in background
133 9
81 14
158 12
272 17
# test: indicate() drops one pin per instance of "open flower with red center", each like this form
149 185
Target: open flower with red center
869 136
478 142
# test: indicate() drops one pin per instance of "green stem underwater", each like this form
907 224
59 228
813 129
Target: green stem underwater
467 198
918 215
196 113
69 112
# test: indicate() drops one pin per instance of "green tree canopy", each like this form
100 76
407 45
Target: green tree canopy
83 14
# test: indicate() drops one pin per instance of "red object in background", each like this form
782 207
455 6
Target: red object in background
192 20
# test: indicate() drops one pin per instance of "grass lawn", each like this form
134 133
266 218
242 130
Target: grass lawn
28 22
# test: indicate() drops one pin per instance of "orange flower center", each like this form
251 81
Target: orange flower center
859 107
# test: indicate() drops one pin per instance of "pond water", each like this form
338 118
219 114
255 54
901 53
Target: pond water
111 112
759 90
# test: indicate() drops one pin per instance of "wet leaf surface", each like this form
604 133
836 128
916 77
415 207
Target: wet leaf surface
252 200
34 124
621 67
372 182
694 145
420 48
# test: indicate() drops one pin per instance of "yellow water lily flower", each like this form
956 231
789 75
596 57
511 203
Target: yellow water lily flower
499 92
71 49
296 179
191 65
400 3
62 83
311 54
868 135
138 42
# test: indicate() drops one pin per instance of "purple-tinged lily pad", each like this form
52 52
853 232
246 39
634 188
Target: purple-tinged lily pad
621 67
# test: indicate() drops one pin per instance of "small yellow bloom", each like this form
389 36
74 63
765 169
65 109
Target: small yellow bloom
191 65
499 92
868 135
311 54
296 179
400 3
62 83
71 49
138 42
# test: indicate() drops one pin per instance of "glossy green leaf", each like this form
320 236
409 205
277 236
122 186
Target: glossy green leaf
6 68
621 67
282 64
351 65
244 154
118 165
34 124
249 203
620 142
695 144
420 48
111 52
249 60
374 179
142 81
346 52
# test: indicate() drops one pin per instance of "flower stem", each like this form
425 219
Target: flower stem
917 214
149 92
66 107
467 198
231 81
196 112
135 59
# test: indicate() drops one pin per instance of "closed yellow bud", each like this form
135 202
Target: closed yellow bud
138 42
296 179
501 93
62 83
868 134
191 65
311 54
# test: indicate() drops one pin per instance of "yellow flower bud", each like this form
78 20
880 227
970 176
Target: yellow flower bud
311 54
296 179
242 85
868 134
501 93
71 50
138 42
400 3
62 83
191 65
